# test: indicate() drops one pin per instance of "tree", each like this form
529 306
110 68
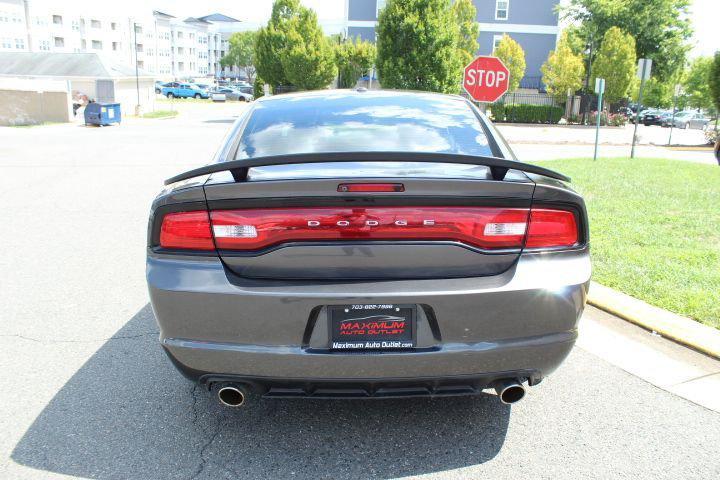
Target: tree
513 56
417 46
714 83
696 83
354 58
241 53
291 48
661 28
656 93
615 62
563 70
309 61
464 13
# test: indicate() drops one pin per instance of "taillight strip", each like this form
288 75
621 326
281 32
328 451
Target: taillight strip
482 227
487 228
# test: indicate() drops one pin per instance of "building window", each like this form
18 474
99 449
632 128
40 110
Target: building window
75 26
502 8
95 23
6 43
115 46
20 44
57 19
139 47
83 44
59 42
138 29
179 34
140 64
97 45
113 26
496 41
44 45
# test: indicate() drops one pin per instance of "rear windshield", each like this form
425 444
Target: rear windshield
360 122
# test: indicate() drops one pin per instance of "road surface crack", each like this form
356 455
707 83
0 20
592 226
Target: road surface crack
216 431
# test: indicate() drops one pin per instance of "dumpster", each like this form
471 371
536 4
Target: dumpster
102 113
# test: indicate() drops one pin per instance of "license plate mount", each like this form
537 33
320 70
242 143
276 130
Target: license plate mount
372 327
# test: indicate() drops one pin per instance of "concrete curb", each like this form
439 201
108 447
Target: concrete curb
680 329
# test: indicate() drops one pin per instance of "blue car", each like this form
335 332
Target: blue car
183 90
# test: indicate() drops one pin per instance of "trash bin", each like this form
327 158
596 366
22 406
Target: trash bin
102 113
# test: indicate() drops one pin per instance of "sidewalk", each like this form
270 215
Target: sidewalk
661 362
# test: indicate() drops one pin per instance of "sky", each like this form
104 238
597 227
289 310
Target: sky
705 14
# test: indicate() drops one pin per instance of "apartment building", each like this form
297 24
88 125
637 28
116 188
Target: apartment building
164 46
532 23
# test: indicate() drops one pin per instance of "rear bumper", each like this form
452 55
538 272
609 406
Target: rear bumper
215 326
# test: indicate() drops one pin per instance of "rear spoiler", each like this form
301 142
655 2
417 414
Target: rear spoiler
239 168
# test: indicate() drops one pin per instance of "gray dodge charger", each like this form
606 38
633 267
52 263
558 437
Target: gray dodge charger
367 244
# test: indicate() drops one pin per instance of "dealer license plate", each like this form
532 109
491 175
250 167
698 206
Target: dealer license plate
372 327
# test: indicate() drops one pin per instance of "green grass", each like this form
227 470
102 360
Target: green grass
160 114
654 230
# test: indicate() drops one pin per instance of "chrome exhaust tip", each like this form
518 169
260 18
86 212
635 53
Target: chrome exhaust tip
232 395
509 391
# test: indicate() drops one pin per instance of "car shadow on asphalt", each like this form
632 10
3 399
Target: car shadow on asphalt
128 414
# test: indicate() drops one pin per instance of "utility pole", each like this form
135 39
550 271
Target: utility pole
643 72
137 78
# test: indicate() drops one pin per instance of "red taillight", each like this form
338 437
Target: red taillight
186 230
371 187
484 227
551 228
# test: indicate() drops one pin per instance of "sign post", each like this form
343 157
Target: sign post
486 79
643 73
599 89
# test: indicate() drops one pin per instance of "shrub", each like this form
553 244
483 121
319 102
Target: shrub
711 136
258 85
522 113
613 120
498 112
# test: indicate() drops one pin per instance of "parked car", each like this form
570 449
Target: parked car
333 250
233 94
644 113
655 117
688 120
159 86
184 90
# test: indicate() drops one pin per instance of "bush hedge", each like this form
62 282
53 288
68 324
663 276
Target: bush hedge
523 113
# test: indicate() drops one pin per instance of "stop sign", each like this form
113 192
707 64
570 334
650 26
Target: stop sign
486 79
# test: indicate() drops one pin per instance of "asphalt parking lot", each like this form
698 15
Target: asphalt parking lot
89 394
